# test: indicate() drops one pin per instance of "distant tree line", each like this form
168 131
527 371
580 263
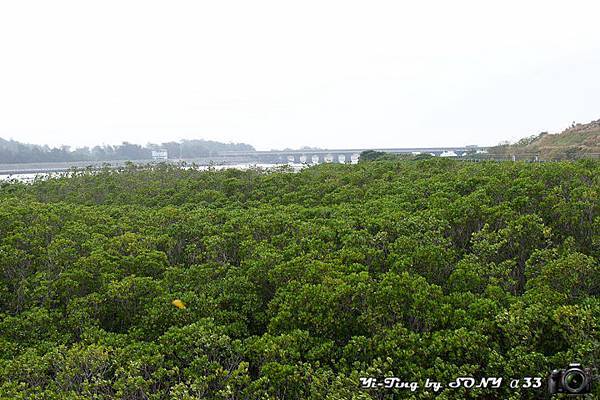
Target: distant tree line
375 155
12 151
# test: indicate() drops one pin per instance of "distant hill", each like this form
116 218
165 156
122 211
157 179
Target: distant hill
580 140
12 151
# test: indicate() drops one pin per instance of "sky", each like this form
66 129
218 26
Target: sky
277 74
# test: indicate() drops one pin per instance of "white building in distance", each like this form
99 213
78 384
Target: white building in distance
160 155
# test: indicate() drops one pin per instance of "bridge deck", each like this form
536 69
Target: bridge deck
226 158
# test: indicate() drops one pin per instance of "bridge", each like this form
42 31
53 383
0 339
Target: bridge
303 156
317 156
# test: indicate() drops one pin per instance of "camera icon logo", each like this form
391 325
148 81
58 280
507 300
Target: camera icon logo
573 380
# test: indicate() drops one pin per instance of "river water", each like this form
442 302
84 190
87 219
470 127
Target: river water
30 177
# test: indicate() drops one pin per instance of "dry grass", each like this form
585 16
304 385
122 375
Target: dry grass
579 140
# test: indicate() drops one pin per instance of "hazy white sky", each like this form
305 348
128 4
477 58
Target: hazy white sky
286 74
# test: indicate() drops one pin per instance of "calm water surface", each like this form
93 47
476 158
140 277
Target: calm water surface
45 175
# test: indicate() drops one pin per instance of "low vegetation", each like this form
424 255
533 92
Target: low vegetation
167 283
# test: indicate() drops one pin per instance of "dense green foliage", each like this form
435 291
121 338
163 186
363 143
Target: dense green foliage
12 151
297 284
375 155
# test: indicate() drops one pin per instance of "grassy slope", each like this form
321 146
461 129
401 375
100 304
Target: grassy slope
580 139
